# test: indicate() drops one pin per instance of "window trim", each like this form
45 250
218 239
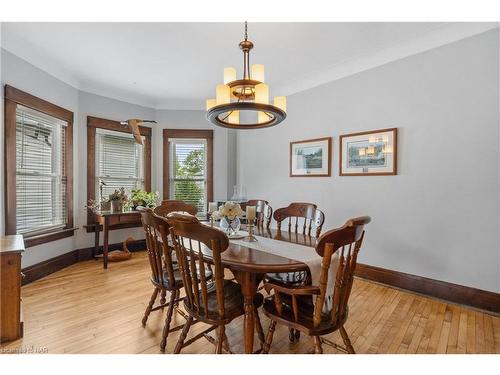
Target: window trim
14 97
92 124
208 135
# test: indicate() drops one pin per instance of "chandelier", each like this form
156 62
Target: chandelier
248 96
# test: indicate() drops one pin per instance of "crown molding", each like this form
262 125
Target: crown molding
447 34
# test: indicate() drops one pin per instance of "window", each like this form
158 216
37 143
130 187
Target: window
188 174
115 160
38 150
188 166
40 175
119 163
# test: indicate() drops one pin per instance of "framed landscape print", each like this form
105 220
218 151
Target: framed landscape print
311 158
372 153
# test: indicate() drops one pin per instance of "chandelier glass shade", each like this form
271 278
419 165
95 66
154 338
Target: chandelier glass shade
244 103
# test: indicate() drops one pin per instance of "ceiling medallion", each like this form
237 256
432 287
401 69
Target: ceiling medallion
249 95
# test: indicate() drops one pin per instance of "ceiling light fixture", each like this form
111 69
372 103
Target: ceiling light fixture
249 95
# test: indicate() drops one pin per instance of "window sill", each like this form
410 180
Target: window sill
48 237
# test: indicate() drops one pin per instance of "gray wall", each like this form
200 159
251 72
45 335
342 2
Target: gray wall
439 217
24 76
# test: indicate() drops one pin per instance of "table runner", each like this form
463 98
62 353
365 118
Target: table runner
300 253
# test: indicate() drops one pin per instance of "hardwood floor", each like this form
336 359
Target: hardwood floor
85 309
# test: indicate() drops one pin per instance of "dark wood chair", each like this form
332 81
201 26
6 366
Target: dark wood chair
164 276
301 217
171 205
264 212
295 306
218 303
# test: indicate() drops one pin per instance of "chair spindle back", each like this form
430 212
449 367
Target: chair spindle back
305 214
346 240
154 247
163 230
194 244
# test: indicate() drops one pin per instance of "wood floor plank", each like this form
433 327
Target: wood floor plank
489 336
496 332
372 330
426 336
419 331
436 330
452 344
471 332
445 330
412 327
462 333
480 344
85 309
404 324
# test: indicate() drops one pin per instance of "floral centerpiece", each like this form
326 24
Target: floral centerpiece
118 198
229 215
141 197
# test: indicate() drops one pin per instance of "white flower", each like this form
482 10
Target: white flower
231 210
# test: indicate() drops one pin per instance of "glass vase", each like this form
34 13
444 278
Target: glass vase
230 226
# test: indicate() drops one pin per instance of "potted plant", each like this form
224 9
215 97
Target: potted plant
118 198
229 215
141 197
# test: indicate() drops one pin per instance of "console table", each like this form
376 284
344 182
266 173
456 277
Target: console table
109 221
11 325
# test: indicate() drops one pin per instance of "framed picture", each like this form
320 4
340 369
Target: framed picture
311 158
372 153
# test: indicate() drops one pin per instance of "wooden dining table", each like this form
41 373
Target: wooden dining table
250 265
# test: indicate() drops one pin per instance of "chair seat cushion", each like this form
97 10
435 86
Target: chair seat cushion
233 303
288 278
305 322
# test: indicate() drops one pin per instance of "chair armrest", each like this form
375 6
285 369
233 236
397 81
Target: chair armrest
293 290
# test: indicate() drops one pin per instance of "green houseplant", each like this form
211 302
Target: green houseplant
141 197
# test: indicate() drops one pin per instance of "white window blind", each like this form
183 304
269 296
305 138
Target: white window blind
188 172
40 172
119 163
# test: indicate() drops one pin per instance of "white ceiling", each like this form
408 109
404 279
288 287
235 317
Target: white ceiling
177 65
